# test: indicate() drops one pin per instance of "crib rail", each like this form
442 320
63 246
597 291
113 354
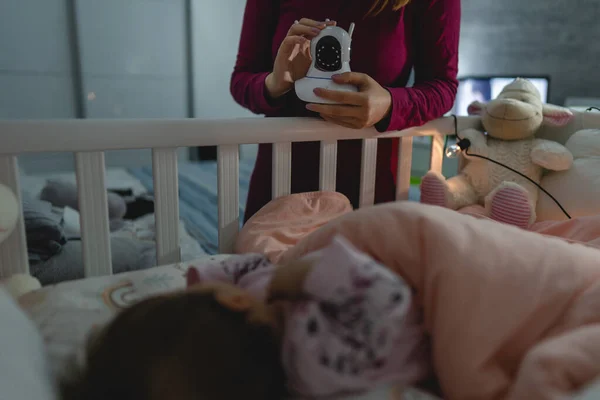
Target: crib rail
88 139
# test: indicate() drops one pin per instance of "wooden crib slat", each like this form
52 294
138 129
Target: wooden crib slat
405 148
367 172
13 251
166 207
437 153
228 174
328 165
282 169
93 213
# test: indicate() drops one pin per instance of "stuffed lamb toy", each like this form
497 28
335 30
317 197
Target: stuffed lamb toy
17 284
510 123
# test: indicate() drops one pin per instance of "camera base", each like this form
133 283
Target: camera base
304 89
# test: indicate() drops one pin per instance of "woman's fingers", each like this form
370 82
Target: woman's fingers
291 45
316 24
308 28
342 97
303 30
347 122
335 110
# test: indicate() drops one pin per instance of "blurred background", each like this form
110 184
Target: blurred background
173 59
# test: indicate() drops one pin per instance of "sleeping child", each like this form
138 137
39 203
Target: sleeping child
333 322
388 293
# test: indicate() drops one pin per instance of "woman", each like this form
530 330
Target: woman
391 37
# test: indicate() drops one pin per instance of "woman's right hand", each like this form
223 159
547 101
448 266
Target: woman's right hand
293 57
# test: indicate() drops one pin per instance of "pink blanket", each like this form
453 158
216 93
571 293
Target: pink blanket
584 230
285 221
512 314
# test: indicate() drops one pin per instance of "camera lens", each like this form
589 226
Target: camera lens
329 54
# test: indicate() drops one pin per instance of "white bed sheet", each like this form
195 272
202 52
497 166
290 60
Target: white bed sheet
65 313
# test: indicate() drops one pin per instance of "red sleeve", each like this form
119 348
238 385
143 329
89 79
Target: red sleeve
255 60
436 67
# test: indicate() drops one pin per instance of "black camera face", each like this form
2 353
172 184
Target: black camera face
329 54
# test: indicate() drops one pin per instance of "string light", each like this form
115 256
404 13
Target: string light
452 151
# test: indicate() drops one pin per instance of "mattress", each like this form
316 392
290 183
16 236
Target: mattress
65 313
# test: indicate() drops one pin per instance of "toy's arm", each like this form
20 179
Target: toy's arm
478 142
551 155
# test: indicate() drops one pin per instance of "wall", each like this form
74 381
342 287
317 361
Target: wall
559 38
36 77
116 59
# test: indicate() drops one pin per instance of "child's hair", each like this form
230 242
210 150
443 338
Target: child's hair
184 346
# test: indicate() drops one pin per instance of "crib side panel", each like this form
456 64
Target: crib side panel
90 138
282 169
403 173
166 198
13 251
228 184
93 213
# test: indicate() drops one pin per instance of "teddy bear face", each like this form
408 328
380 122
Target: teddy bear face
515 114
518 112
510 118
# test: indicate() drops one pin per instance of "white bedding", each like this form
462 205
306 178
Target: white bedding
66 312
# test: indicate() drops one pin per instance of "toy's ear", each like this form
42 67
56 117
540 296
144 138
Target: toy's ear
557 115
475 108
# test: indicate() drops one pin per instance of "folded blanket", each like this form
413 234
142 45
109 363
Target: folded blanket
64 194
43 228
127 254
512 314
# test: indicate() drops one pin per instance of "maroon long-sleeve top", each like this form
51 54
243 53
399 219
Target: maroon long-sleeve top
423 35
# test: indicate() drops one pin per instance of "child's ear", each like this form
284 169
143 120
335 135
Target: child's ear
234 301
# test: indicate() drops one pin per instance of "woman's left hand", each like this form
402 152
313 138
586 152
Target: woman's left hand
361 109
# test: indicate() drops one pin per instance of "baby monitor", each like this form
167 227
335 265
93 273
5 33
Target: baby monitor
330 52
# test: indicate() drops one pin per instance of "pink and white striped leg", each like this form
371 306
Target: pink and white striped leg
510 203
434 189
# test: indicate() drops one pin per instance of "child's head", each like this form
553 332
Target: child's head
212 342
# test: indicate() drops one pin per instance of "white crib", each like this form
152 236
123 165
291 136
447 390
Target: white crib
88 139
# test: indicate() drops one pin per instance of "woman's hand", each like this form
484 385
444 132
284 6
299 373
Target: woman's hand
293 57
361 109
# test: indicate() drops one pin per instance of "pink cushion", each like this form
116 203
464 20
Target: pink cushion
284 221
